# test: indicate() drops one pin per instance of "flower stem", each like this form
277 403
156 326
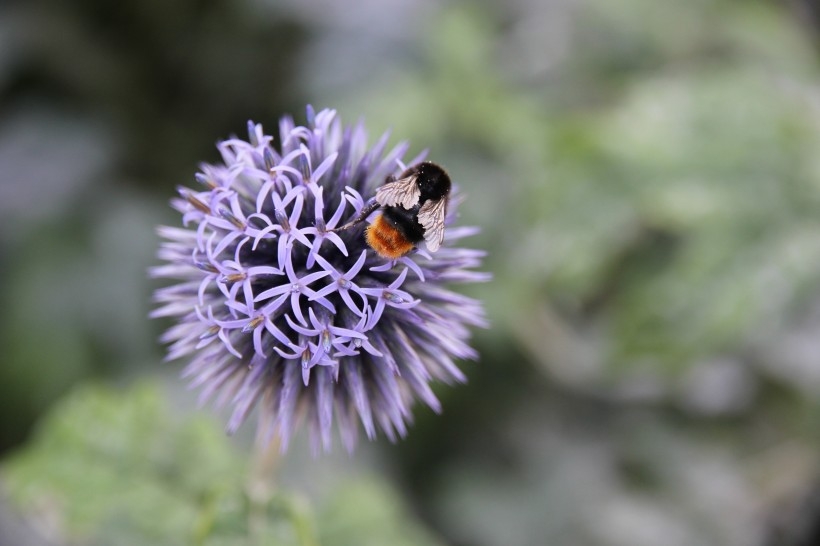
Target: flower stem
262 479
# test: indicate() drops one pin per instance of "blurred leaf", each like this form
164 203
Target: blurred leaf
115 463
715 163
368 513
119 467
663 224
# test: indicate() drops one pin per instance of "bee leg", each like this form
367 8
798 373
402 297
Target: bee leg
367 210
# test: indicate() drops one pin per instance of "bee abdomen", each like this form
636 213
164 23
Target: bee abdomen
387 239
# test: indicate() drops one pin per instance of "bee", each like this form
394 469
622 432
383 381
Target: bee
413 208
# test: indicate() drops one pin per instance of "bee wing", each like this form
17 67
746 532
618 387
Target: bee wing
404 192
431 217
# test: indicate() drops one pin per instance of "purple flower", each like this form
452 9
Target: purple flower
276 311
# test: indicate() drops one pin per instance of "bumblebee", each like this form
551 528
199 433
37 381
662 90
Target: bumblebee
413 208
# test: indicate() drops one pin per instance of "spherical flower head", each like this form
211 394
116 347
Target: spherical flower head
279 312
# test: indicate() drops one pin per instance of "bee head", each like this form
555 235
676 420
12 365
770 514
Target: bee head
433 181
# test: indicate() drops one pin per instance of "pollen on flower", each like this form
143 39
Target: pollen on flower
191 198
393 298
233 277
273 307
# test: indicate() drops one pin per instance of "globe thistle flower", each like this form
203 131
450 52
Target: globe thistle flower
280 313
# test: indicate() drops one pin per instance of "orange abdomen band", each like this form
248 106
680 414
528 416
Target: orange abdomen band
386 239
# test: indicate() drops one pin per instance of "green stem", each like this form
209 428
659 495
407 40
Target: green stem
262 479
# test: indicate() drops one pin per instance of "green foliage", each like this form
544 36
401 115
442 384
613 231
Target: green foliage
368 513
645 174
646 177
656 195
119 467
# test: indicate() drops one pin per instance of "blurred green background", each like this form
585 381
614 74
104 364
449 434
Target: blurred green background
647 177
